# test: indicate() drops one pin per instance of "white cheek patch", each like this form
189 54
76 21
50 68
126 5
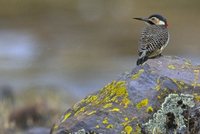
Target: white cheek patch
161 22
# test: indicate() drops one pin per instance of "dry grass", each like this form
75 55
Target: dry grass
32 108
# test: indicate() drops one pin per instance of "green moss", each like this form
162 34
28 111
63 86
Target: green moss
157 124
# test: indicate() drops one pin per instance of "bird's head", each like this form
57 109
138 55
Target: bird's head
154 19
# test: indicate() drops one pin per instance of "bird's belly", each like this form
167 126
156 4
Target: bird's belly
157 52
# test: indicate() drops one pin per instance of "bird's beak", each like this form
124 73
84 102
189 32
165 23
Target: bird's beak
142 19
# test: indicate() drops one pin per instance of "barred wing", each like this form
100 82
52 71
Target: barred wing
152 38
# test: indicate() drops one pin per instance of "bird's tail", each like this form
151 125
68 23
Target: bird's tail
141 60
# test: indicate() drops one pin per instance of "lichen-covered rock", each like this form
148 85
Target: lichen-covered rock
161 96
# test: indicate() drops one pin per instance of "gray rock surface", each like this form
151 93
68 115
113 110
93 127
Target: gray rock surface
161 96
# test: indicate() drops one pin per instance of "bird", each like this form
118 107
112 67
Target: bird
154 38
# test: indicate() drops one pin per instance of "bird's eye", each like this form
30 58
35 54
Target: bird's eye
153 18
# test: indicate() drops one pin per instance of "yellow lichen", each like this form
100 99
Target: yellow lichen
97 126
125 102
187 63
128 129
90 99
157 87
171 67
92 112
115 110
107 105
105 120
158 80
196 97
77 105
79 111
137 75
126 118
109 126
182 82
196 78
159 97
66 117
180 86
149 109
113 93
121 89
55 127
165 90
142 103
196 71
127 121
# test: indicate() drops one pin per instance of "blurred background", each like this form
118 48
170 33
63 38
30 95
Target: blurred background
55 52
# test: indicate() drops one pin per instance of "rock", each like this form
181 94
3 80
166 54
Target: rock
38 130
161 96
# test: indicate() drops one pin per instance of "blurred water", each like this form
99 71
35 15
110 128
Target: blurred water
17 49
79 46
19 68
